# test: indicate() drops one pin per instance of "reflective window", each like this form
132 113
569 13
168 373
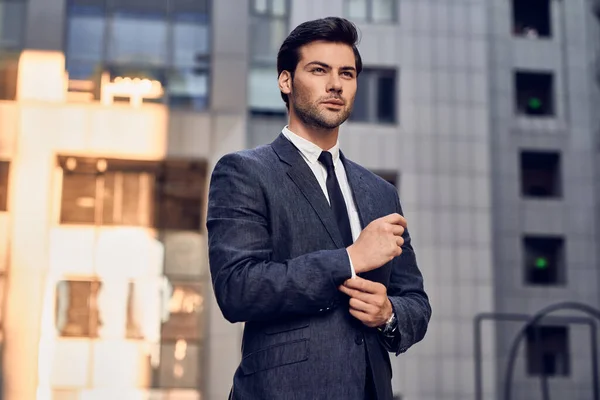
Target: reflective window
85 33
190 42
77 308
183 313
4 169
269 26
12 22
138 39
375 97
357 9
179 365
9 68
180 196
154 39
264 90
371 10
165 195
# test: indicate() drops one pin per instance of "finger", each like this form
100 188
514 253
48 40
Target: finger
399 241
397 230
360 305
363 317
346 290
365 286
357 294
395 219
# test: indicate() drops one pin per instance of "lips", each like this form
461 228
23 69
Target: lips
334 102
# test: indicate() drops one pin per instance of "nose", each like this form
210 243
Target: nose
334 85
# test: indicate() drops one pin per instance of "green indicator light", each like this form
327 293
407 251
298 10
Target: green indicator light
535 103
541 263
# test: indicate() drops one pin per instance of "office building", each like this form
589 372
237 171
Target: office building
113 113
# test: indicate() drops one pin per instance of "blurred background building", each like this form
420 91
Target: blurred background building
484 114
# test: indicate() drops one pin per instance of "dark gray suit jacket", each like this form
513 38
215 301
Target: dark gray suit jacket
277 259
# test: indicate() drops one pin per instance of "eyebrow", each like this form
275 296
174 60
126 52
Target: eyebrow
322 64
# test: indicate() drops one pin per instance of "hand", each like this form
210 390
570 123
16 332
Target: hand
369 302
378 243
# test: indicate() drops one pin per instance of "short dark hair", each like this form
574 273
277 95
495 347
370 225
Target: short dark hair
330 29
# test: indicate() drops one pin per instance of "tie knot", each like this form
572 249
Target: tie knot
327 159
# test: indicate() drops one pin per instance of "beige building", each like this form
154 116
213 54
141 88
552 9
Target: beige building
105 285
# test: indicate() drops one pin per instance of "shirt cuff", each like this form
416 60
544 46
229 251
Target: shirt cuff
351 265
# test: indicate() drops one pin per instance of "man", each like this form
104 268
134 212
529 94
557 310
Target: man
309 248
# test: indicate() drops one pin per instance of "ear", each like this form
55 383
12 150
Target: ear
285 82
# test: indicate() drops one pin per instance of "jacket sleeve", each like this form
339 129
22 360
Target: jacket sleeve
248 284
408 298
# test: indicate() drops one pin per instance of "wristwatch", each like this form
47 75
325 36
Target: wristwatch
390 326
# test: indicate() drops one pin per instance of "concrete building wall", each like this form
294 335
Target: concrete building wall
569 132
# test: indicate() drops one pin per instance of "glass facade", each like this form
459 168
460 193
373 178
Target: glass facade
269 26
158 40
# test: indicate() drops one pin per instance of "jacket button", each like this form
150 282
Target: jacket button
358 340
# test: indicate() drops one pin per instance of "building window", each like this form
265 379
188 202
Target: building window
545 260
541 174
4 169
269 25
534 94
531 18
375 100
181 336
371 10
9 68
77 312
12 23
157 40
388 176
165 195
548 351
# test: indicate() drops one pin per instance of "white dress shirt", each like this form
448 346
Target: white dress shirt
311 152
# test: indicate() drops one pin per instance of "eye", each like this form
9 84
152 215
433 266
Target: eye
318 70
348 74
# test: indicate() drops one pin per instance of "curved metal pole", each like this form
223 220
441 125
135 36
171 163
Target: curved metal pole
532 321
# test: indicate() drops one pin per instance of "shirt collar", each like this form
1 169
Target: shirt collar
310 150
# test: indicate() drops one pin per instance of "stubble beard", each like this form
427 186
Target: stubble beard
311 116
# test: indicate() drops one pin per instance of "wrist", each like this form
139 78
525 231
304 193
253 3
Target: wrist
389 315
354 259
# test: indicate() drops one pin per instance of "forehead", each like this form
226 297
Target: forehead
334 54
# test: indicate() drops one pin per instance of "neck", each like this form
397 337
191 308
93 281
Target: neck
324 138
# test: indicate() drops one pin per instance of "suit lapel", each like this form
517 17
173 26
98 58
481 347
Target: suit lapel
303 177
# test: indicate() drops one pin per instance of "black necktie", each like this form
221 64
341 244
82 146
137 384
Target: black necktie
336 199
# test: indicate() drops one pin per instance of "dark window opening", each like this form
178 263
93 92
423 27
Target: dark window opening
534 93
548 351
388 176
541 175
375 100
77 313
545 260
4 169
9 66
531 18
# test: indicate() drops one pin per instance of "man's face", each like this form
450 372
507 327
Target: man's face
324 84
